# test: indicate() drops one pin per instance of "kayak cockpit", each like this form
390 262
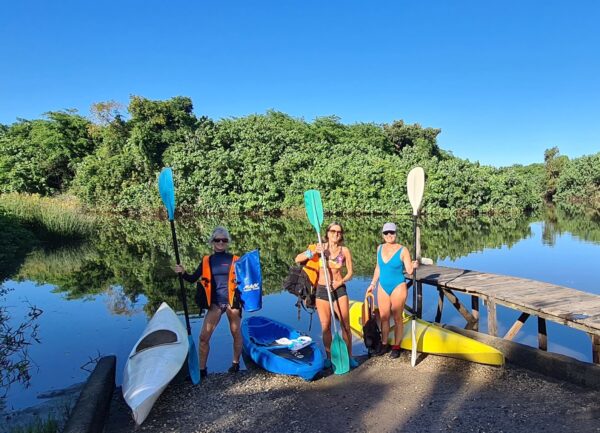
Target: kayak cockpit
159 337
265 332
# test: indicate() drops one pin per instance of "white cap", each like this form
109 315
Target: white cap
388 227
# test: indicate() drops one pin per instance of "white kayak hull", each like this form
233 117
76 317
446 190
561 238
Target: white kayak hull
154 361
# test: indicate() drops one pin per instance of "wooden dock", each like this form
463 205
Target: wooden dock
570 307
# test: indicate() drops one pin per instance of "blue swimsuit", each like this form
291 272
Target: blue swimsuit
391 273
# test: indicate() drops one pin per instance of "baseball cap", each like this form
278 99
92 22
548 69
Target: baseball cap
388 227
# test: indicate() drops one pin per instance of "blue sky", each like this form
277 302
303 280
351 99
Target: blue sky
503 80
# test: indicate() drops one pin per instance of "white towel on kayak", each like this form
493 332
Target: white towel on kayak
296 343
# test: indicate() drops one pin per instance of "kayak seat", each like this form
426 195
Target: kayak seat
303 355
157 338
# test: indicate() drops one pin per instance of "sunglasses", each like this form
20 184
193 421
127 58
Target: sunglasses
223 241
389 233
339 232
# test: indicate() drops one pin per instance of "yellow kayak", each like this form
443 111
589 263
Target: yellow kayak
432 338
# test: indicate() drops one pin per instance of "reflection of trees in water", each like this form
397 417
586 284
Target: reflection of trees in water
15 242
137 256
15 341
563 219
118 303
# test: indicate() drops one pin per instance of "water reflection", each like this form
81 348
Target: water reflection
137 255
125 270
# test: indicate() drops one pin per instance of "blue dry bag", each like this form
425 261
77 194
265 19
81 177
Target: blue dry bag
249 280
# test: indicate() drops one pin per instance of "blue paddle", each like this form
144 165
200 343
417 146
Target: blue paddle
167 193
339 352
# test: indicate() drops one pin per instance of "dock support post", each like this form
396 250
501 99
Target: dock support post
440 306
542 334
459 307
595 349
475 312
516 326
492 324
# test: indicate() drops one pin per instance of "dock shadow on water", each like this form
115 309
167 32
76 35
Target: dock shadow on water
381 395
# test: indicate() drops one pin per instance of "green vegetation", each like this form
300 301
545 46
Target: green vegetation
126 257
60 216
41 156
263 163
39 425
579 184
54 422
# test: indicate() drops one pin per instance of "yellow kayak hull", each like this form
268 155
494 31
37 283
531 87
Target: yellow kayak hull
433 339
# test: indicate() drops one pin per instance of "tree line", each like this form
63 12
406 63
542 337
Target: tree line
262 163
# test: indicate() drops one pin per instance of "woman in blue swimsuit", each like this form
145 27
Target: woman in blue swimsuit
392 261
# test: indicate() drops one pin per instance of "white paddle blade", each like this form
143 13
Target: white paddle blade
415 185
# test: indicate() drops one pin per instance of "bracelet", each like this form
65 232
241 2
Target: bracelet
309 254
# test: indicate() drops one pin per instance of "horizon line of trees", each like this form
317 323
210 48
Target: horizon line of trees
264 163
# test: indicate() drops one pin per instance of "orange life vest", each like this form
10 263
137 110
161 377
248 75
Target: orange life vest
206 279
312 266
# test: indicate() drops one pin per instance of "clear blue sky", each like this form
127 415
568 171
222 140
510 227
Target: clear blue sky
504 80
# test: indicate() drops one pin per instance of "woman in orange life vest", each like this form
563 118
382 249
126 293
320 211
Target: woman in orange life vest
337 257
217 278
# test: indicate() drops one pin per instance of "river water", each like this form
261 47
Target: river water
97 296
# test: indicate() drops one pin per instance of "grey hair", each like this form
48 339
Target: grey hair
220 232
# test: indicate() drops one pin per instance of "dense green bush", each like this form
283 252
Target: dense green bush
41 156
264 163
579 183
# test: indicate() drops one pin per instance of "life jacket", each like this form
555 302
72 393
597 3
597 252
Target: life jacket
206 282
312 266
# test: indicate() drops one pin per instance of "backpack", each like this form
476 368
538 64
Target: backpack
298 284
371 332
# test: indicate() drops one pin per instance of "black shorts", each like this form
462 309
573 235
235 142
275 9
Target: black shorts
335 294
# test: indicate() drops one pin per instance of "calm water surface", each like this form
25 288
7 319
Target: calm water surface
97 297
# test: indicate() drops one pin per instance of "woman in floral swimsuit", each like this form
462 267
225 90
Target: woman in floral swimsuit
337 257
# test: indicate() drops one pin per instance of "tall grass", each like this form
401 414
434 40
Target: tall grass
62 215
39 425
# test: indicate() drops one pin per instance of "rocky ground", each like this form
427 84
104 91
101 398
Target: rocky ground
381 395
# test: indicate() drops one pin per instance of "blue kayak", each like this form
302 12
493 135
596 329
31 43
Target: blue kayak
259 336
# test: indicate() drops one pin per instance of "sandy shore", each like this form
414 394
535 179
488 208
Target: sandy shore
381 395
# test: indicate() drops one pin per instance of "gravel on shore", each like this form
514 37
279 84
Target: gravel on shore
381 395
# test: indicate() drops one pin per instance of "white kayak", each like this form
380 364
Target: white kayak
154 361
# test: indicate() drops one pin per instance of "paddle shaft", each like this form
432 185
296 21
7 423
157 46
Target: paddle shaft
414 274
327 284
181 288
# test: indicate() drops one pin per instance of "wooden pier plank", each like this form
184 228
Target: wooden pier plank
548 301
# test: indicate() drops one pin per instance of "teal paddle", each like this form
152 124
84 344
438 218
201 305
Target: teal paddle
167 193
339 352
415 185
